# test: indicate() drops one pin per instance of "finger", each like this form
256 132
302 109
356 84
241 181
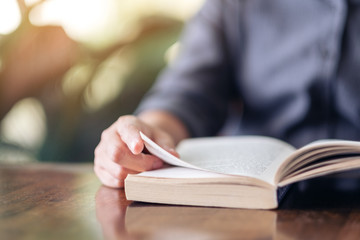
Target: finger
114 169
105 152
165 141
174 153
133 139
107 179
128 128
141 162
113 149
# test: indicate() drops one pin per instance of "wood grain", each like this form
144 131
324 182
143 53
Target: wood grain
53 201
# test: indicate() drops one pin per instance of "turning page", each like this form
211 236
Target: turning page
252 156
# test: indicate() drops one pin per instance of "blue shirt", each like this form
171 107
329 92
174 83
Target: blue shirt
286 69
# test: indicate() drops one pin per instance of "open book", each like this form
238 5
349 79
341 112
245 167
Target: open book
239 172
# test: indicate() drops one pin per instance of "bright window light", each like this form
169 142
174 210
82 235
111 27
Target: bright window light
83 20
10 16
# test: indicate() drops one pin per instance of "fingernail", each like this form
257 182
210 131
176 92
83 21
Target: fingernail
133 147
157 164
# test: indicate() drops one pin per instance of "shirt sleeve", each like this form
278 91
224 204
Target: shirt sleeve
196 87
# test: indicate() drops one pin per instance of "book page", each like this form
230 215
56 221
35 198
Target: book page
321 151
253 156
181 172
190 175
158 151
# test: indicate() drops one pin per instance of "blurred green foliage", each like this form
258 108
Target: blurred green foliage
74 133
80 96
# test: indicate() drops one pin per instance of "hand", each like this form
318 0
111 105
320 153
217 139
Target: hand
121 150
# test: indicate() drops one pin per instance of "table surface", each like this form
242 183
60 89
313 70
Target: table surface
57 201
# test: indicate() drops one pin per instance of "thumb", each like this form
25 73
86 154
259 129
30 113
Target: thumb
165 141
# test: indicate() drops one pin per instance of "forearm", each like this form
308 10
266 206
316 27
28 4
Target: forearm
166 122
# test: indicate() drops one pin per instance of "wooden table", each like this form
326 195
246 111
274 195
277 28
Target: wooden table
52 201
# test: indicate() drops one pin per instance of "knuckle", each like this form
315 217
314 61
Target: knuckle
125 120
98 173
127 124
118 171
116 183
97 151
105 134
107 180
